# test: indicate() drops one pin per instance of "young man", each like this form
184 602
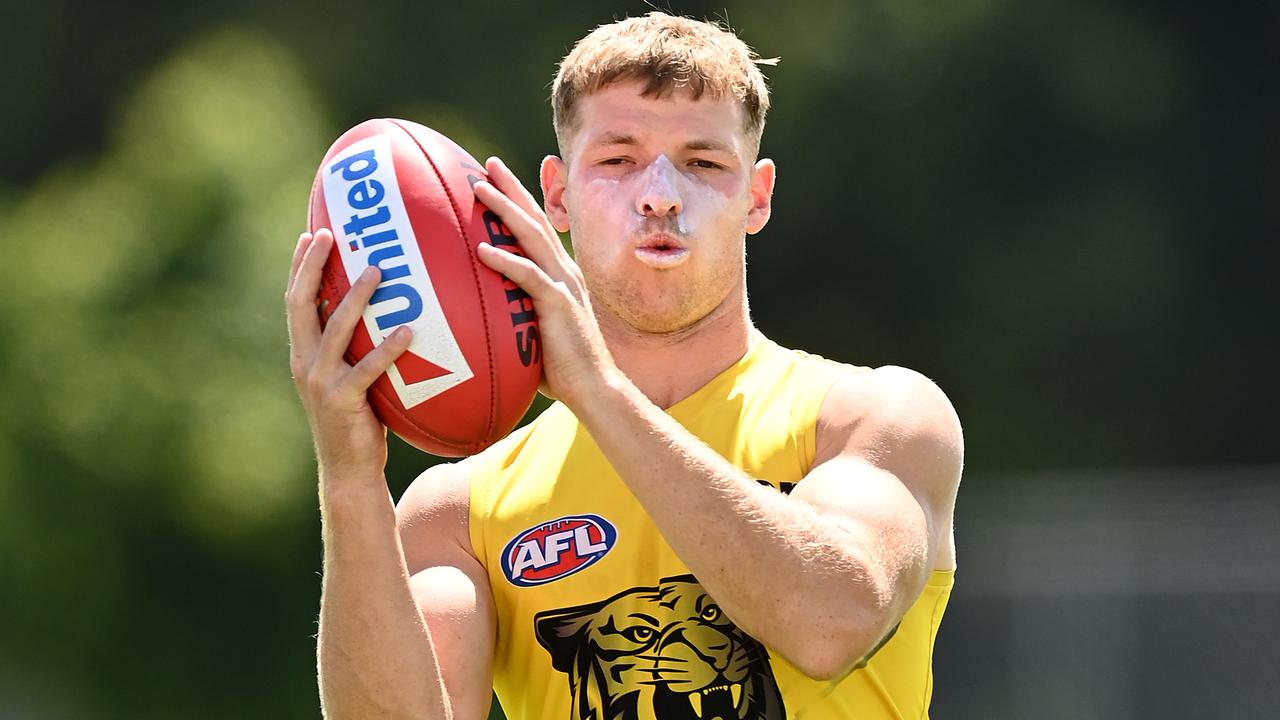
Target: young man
706 524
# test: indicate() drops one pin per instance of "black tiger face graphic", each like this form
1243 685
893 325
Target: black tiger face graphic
659 653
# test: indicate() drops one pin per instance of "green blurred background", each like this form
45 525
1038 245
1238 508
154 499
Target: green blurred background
1065 213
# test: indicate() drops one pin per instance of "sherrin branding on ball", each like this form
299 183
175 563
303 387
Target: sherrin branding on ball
399 195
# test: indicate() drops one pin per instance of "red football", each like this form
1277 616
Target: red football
398 195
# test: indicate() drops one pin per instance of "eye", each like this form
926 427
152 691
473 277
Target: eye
638 633
710 613
705 164
613 161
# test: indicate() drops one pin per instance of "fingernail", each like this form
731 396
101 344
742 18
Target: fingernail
372 271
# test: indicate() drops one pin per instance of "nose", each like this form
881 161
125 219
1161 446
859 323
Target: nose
713 646
659 195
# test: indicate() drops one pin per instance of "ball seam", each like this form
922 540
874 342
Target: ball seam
475 277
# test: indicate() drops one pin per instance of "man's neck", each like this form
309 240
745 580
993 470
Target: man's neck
669 367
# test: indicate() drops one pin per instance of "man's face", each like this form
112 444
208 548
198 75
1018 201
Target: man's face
658 194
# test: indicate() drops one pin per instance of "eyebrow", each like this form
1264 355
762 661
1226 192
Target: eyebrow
708 144
617 138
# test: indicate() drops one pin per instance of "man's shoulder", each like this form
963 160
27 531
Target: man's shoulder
895 418
890 397
438 505
441 489
432 516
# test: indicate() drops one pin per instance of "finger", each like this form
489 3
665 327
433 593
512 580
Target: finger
540 247
523 272
371 366
506 181
304 240
337 332
304 325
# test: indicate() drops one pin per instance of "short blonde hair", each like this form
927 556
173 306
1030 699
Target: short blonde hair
668 53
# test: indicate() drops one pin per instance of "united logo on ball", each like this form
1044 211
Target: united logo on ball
398 195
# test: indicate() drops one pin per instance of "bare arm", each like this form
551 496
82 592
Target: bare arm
449 584
831 568
376 658
835 566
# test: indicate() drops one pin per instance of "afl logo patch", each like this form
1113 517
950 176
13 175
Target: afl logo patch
556 549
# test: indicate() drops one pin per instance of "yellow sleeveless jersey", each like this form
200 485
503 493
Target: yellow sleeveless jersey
599 619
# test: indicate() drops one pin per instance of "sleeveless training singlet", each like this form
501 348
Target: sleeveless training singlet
598 618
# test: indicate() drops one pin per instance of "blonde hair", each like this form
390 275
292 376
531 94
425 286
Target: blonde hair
667 53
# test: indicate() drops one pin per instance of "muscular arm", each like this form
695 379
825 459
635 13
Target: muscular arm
822 575
375 656
406 622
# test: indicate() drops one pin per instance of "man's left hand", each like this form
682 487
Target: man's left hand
575 358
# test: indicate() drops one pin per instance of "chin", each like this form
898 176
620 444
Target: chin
652 318
662 308
659 326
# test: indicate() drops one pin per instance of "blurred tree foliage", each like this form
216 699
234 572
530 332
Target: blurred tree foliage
155 503
1063 212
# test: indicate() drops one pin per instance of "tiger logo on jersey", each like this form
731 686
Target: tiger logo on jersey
659 653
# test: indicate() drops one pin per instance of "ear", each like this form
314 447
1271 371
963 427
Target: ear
553 175
762 179
562 633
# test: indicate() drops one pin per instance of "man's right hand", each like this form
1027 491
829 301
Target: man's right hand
351 443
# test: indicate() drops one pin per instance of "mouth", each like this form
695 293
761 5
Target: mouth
723 701
661 252
720 701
